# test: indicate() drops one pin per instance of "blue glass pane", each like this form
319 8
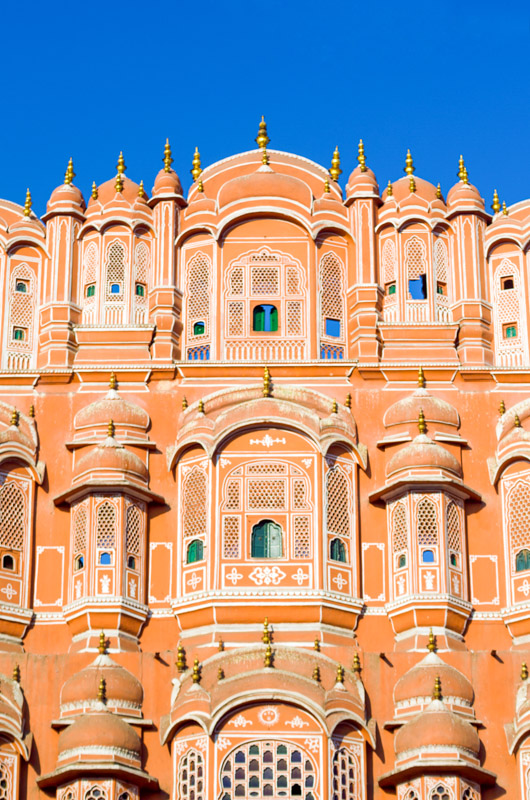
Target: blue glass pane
428 557
418 288
115 288
332 327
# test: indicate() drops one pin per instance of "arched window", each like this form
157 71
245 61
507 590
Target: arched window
12 518
402 561
140 290
510 332
198 328
416 267
195 551
337 550
266 540
276 769
441 792
91 290
198 295
427 557
337 502
19 334
106 526
8 562
265 318
191 777
427 523
332 294
115 288
105 559
21 286
79 563
345 775
522 560
131 562
195 504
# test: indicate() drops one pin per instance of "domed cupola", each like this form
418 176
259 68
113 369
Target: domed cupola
410 195
463 196
436 411
422 454
130 420
362 181
66 199
167 183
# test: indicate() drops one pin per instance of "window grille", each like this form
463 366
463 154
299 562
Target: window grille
302 540
266 469
236 281
80 529
453 528
21 308
389 262
293 280
236 321
337 503
345 776
233 495
115 272
427 523
12 516
141 262
266 494
198 296
332 292
195 504
96 793
399 529
519 515
415 258
441 792
299 494
294 318
265 280
441 261
106 525
231 537
191 777
268 769
133 530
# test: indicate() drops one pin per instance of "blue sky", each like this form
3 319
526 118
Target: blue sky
88 80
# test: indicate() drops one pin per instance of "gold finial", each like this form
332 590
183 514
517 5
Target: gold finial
264 157
268 657
361 157
517 421
27 203
316 674
266 382
220 674
69 175
327 190
32 411
200 185
262 139
409 167
465 178
502 408
524 671
141 190
437 691
504 208
111 430
347 401
221 646
334 407
461 168
316 645
340 674
201 407
94 191
102 691
102 646
412 184
120 166
356 663
431 644
167 157
119 183
181 659
113 383
196 672
266 637
16 673
335 169
389 189
15 416
196 164
439 192
496 206
422 427
184 404
421 378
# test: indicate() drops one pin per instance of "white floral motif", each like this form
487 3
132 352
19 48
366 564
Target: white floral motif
300 576
268 716
180 747
105 584
297 722
78 589
9 591
401 584
429 581
224 461
267 441
524 588
240 721
233 576
201 744
312 743
223 742
194 580
340 581
267 576
307 462
456 584
132 588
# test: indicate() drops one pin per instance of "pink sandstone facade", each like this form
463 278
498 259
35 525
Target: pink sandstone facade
265 488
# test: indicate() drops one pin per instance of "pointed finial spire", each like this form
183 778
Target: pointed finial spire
181 658
361 157
412 184
69 175
120 166
347 401
316 674
268 657
141 190
334 407
461 168
119 183
356 663
517 421
437 691
15 416
340 674
326 187
389 189
465 178
266 382
27 203
221 646
316 645
200 185
184 404
431 644
196 164
111 430
421 378
167 156
422 427
113 382
102 646
16 673
32 411
266 637
220 674
335 169
504 208
409 167
102 691
496 206
524 671
94 191
502 408
439 192
196 672
262 139
264 157
200 408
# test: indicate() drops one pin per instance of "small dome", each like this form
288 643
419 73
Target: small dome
95 733
111 456
464 195
122 689
434 409
265 183
423 189
112 407
362 183
64 198
423 453
167 183
418 681
437 726
107 193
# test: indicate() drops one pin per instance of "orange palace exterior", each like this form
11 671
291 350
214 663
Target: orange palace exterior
265 488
